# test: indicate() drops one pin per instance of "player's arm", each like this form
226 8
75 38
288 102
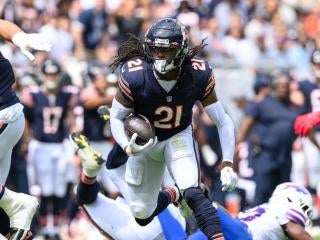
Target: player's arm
90 102
122 106
26 42
295 231
226 131
8 29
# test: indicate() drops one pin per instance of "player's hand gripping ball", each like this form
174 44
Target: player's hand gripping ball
139 124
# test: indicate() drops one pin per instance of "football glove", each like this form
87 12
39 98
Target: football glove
29 42
304 123
228 179
133 149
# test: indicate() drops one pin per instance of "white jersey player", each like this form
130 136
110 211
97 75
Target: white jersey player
290 206
19 207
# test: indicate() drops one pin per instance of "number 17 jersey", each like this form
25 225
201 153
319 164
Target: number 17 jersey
170 112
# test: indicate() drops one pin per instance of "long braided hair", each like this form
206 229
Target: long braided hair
133 47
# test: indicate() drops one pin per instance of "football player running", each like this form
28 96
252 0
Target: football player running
162 79
18 206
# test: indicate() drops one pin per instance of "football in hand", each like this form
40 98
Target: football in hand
137 123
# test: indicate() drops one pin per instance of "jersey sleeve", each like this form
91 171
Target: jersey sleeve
203 71
129 78
210 86
252 110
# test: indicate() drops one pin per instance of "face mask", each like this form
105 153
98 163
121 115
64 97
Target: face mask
162 66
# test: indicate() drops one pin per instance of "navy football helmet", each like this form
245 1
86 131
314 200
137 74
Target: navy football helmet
166 44
51 73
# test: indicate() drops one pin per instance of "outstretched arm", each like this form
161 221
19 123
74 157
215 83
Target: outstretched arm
226 130
8 29
296 232
26 42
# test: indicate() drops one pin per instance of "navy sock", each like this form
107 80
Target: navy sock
87 193
206 215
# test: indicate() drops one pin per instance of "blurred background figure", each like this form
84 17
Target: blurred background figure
49 111
100 91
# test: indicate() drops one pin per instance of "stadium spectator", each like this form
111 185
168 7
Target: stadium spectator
275 116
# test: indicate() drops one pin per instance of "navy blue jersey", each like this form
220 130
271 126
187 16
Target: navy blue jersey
170 112
94 128
275 120
7 95
47 115
311 93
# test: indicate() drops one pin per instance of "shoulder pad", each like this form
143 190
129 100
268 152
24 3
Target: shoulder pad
201 68
132 71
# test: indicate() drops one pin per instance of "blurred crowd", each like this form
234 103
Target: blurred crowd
261 51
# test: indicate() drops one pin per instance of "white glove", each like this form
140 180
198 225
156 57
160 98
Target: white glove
133 149
228 179
32 41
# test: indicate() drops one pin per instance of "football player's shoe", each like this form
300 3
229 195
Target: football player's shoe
91 160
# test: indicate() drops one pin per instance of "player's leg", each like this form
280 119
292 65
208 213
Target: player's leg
92 162
60 168
183 166
18 206
104 177
144 174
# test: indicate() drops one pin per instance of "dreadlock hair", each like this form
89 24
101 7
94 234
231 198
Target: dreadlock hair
192 52
133 47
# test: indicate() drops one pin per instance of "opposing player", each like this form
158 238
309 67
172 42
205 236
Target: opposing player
303 125
285 215
18 206
50 111
161 79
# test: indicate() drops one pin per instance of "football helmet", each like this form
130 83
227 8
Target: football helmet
51 72
294 195
166 44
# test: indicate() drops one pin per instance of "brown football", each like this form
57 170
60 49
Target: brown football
137 123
